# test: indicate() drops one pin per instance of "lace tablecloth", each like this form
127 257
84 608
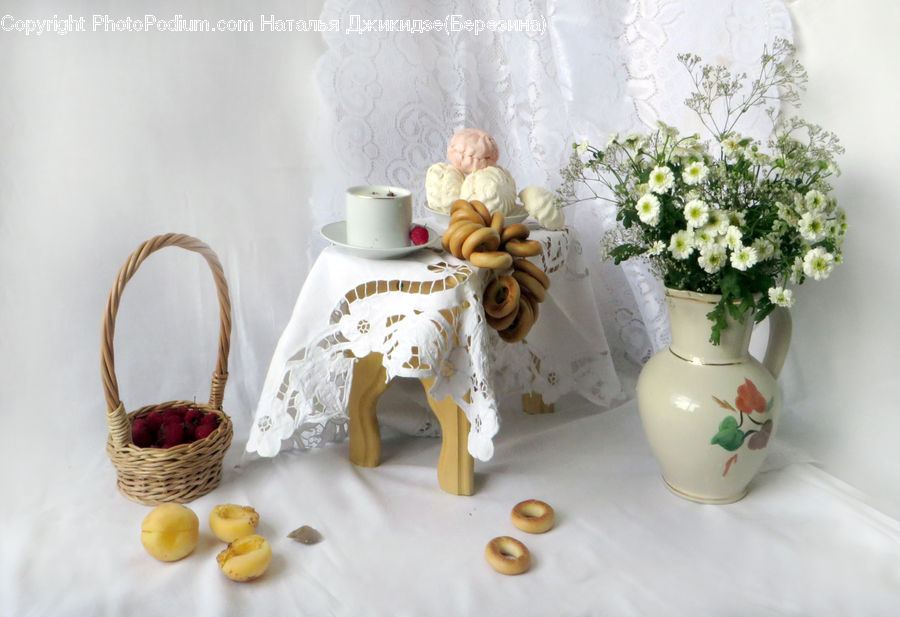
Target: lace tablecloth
423 314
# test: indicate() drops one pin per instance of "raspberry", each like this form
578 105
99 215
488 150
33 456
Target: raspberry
210 419
192 416
154 421
173 415
418 235
141 435
172 433
203 430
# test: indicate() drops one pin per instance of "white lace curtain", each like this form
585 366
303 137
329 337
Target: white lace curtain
594 68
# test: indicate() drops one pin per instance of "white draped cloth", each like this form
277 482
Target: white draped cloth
594 68
424 315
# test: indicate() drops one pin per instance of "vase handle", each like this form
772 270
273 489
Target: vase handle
780 328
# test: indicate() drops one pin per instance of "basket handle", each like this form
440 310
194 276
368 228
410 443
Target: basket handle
115 414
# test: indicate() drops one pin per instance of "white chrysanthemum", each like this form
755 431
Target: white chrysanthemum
781 297
681 244
661 179
705 236
734 237
786 213
764 248
582 147
656 248
744 258
812 227
731 145
696 213
648 209
695 173
718 221
738 219
814 200
712 258
818 263
613 138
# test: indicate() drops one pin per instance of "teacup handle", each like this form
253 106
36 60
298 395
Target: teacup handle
780 328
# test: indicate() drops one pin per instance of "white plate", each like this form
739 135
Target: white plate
336 233
444 219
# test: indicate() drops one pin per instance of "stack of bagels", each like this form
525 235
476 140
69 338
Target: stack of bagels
518 286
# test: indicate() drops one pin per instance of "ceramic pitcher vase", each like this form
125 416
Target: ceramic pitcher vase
710 411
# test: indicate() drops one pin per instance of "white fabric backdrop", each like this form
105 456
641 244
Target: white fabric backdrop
109 138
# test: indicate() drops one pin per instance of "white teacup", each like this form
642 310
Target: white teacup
378 216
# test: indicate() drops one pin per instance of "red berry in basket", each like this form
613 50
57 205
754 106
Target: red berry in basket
154 421
173 415
418 235
172 433
141 435
210 419
204 430
192 416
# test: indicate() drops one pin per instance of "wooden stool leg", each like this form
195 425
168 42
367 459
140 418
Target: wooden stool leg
367 385
534 403
456 467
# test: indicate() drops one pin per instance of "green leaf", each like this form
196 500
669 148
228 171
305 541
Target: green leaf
625 251
729 436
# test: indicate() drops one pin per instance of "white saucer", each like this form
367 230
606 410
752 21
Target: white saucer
444 219
336 233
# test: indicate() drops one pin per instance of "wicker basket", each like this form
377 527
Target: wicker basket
184 472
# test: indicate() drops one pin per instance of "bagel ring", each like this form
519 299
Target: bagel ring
521 326
523 265
497 222
535 305
496 260
463 231
449 233
530 284
507 555
459 204
466 215
484 239
501 298
482 211
523 248
516 231
503 323
533 516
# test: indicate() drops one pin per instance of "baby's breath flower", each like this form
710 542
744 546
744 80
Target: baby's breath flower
681 244
696 213
661 179
712 258
695 173
780 296
648 209
743 258
796 276
818 263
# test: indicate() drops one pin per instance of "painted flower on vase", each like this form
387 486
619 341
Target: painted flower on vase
749 398
731 434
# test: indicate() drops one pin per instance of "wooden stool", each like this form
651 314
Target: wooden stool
456 467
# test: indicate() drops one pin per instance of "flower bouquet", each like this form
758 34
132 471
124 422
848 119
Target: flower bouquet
733 216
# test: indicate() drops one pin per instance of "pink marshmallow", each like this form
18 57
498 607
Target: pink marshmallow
471 150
